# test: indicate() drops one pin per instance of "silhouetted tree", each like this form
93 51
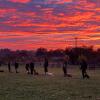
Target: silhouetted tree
40 52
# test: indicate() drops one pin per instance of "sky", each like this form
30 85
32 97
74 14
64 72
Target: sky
52 24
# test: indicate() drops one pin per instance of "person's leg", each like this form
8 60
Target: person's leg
86 75
28 72
65 72
34 71
45 70
9 69
31 71
83 74
16 70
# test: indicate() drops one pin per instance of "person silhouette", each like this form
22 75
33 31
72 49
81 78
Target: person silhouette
31 68
84 68
9 67
16 66
65 62
27 68
0 64
0 68
45 65
65 66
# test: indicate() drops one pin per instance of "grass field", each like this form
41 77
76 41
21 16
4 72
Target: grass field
26 87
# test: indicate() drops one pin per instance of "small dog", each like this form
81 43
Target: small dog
1 70
50 74
36 73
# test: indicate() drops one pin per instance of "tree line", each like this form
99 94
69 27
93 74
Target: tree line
23 56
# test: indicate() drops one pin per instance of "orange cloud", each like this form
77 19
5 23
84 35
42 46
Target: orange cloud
20 1
53 22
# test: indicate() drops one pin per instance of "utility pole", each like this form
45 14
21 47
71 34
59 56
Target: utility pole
76 42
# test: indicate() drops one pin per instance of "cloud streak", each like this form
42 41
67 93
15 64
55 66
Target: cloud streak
37 23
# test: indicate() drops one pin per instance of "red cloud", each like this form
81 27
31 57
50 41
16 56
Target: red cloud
58 1
20 1
30 29
64 1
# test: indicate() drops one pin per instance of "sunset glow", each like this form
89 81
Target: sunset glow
52 24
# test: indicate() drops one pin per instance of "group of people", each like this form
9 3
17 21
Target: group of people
30 67
16 67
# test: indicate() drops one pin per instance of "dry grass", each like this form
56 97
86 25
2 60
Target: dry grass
26 87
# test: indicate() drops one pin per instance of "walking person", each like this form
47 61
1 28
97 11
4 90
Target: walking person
31 68
84 68
46 65
9 67
0 64
27 68
65 66
16 67
1 67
